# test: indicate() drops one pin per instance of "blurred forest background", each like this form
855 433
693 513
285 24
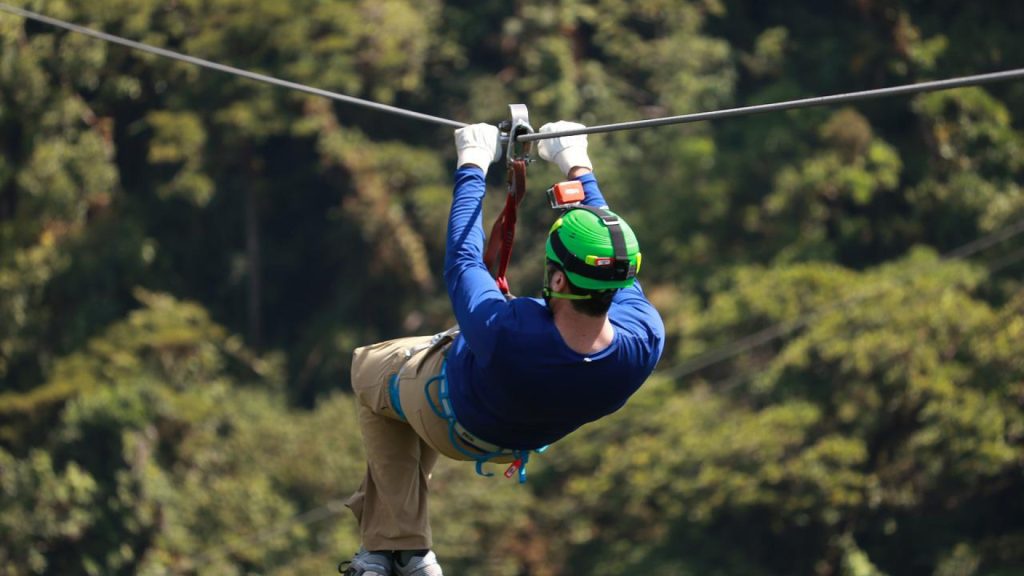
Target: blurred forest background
187 260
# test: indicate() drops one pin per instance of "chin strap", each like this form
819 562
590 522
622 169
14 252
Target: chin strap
548 293
564 296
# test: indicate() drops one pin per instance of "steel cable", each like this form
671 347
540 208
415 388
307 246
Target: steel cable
229 69
932 86
780 329
833 99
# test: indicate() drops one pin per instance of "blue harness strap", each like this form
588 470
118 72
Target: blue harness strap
456 431
393 391
396 399
488 452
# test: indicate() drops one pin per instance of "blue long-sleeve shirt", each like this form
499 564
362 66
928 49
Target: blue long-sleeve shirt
513 380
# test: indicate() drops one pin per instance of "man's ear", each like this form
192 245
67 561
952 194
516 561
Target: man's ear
558 283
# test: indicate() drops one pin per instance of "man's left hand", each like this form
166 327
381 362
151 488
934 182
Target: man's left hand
477 144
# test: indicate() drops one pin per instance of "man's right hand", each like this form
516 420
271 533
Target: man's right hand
478 145
568 152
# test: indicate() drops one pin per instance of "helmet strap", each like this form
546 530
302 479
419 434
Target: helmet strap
549 293
620 268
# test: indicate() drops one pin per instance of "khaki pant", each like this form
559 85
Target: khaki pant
391 504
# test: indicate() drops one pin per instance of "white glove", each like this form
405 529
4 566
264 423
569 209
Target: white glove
566 151
477 144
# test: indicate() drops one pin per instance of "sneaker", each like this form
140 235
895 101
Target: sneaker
420 566
366 563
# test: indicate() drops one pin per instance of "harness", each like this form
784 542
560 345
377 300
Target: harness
443 409
456 431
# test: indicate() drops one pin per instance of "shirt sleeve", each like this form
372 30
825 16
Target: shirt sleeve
476 301
640 310
592 194
631 304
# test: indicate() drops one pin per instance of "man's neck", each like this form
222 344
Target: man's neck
582 333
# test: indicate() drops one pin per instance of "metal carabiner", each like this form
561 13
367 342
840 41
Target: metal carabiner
510 130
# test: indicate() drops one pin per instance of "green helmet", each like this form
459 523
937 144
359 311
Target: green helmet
596 248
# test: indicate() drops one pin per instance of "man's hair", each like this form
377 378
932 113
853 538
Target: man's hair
598 303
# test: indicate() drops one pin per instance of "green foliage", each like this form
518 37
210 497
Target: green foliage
187 260
166 462
40 505
826 191
57 167
178 142
976 160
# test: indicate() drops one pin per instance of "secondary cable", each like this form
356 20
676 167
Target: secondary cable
780 329
228 69
729 383
931 86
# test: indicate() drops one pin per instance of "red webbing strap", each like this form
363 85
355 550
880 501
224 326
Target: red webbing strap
503 232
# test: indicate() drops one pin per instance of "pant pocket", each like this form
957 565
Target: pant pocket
372 367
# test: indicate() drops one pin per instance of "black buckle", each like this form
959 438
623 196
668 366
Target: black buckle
623 269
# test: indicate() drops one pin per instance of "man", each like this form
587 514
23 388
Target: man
517 375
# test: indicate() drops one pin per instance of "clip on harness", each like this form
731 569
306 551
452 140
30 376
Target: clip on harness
503 232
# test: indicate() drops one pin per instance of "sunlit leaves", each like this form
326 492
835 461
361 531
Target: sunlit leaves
853 168
39 507
178 142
